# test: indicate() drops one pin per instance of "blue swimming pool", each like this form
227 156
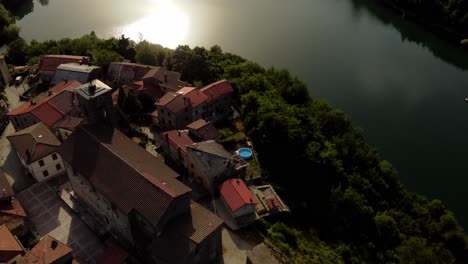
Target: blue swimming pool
245 153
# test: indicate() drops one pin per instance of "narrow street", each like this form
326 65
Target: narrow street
9 160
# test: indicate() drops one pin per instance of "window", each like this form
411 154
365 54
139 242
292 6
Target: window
41 163
58 167
45 173
54 156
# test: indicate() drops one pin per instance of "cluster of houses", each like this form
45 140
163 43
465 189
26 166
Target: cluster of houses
140 200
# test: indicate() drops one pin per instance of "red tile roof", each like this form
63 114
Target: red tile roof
178 139
51 62
34 142
166 78
203 130
236 194
9 246
47 250
11 212
112 255
129 176
173 102
195 95
273 203
216 89
52 108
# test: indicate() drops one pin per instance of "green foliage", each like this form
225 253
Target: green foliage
104 57
17 51
150 54
8 30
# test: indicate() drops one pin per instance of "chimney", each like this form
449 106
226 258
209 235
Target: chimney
32 102
178 133
54 244
165 77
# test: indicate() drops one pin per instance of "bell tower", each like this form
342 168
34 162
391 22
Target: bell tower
95 99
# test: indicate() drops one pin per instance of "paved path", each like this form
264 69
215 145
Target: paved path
51 216
9 161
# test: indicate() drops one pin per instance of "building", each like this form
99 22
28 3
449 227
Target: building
59 102
74 71
164 80
174 144
203 130
66 126
269 201
210 164
138 199
4 73
36 148
95 100
49 251
11 249
12 214
49 64
219 98
174 111
113 254
198 102
126 72
239 201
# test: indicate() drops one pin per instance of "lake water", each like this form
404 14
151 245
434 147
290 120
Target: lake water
402 85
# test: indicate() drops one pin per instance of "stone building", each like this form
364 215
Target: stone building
75 71
210 164
95 101
238 200
49 64
138 199
219 96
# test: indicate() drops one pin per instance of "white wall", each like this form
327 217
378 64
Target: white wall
49 165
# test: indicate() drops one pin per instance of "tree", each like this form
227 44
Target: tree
104 57
150 54
17 54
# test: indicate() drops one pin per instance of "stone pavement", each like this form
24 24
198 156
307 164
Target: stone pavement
9 160
51 216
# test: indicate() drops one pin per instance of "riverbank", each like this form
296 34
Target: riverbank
442 30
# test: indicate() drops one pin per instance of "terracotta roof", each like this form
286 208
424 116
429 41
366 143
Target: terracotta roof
28 107
273 202
51 62
129 176
34 142
236 194
9 246
166 78
216 89
138 69
195 95
174 102
185 233
203 129
112 255
47 114
69 122
178 139
5 188
11 212
140 86
46 251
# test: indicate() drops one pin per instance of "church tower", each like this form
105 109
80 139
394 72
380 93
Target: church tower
95 99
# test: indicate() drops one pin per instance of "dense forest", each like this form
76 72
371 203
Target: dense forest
448 15
347 203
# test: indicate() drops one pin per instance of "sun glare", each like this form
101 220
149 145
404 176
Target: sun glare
165 24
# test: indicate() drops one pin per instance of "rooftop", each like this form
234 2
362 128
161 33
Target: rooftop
51 62
51 108
174 102
166 78
236 194
203 129
184 233
77 67
217 89
34 142
47 250
113 254
92 89
9 246
212 147
179 139
5 188
195 95
129 176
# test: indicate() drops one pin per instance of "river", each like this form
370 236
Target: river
403 86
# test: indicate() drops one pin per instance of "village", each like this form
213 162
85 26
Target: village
86 179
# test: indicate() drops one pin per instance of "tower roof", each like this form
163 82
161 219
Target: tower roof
92 89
